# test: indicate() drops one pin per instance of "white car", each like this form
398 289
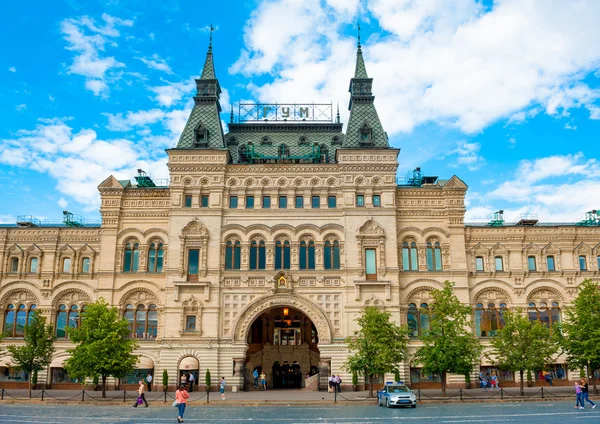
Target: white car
396 394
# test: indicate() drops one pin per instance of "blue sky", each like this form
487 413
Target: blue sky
504 94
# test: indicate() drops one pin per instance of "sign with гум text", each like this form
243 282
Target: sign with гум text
315 112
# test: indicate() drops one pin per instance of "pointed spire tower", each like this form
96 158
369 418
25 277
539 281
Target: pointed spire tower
203 129
364 128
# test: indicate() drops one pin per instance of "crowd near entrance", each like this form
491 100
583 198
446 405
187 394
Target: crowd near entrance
282 344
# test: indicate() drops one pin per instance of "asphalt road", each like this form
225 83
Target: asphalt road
530 413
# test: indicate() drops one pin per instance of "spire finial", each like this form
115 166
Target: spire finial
337 119
358 45
231 114
210 39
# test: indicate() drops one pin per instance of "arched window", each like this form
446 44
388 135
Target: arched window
303 140
85 265
61 321
307 255
143 321
418 319
33 265
129 316
331 255
547 315
365 134
282 254
131 257
582 263
488 320
409 256
66 267
232 255
434 256
155 257
258 259
283 151
15 320
201 135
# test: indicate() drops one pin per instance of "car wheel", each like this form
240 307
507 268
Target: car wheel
413 406
387 403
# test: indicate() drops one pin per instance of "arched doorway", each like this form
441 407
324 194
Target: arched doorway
282 343
188 366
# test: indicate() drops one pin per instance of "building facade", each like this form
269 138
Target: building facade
268 242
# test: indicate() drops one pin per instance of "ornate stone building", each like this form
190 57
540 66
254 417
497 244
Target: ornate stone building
268 242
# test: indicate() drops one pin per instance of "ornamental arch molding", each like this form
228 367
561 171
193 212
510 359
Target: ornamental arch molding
254 309
19 295
138 295
545 292
486 294
71 296
492 284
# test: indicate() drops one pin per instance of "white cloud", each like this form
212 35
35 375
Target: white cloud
51 98
467 154
12 69
446 61
62 203
157 63
88 61
171 93
594 112
21 107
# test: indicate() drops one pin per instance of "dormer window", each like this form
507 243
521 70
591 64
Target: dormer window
232 141
336 140
201 136
366 134
303 141
265 140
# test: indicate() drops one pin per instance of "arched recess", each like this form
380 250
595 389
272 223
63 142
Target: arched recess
139 295
19 294
254 309
71 296
491 294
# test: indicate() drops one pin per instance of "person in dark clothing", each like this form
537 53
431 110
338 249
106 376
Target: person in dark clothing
584 393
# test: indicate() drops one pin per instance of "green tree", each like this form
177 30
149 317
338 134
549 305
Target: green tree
579 333
522 345
36 352
379 345
449 345
103 345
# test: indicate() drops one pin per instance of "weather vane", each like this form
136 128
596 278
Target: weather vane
211 31
358 45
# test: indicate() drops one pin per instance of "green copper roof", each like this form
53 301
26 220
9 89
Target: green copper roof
361 70
360 114
206 114
208 72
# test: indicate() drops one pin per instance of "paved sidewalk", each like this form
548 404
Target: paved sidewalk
288 397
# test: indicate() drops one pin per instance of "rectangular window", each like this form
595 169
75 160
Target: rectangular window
66 265
204 201
14 265
550 262
282 202
266 202
360 200
85 265
316 202
598 259
188 201
33 264
371 264
582 263
193 263
331 202
233 202
190 323
299 202
249 202
478 263
531 263
499 263
376 200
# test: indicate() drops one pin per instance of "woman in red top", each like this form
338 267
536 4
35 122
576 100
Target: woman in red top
180 397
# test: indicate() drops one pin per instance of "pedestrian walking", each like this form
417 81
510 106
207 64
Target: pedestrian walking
338 383
181 397
192 381
331 381
141 396
263 380
584 393
149 382
578 400
494 381
222 388
255 376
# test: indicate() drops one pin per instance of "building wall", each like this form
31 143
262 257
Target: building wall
225 302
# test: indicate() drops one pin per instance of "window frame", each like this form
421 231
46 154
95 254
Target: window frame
188 200
131 250
14 265
582 259
531 263
501 259
552 258
266 202
479 261
282 202
192 276
330 203
299 202
376 200
371 276
16 312
34 269
315 202
360 200
233 202
249 202
204 201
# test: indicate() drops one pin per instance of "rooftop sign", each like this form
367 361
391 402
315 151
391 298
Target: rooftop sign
261 112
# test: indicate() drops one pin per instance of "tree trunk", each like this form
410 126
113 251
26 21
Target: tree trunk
521 383
590 373
30 374
370 385
443 383
103 386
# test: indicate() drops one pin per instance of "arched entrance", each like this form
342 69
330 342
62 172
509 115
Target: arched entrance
282 343
283 333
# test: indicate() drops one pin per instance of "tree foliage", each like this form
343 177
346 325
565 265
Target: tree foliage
579 333
449 346
522 345
103 347
36 352
378 346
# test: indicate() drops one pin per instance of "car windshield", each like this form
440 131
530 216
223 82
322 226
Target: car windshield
398 389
